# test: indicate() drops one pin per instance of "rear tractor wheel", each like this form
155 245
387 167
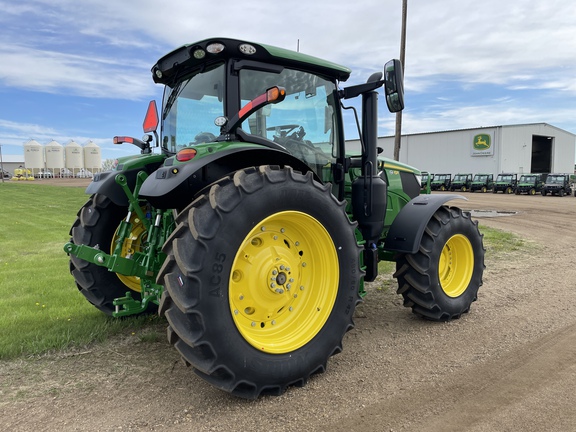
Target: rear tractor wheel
97 224
261 280
441 280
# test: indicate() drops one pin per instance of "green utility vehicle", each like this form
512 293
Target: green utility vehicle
461 182
441 182
482 183
252 231
557 184
506 183
529 184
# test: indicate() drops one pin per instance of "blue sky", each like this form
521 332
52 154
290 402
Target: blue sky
80 69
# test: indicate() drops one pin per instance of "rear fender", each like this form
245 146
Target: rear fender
174 185
406 231
104 183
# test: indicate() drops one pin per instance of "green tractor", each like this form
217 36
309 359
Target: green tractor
252 231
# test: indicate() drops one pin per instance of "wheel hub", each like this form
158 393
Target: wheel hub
271 297
133 243
456 265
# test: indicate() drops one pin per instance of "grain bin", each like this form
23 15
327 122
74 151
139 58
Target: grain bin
54 152
74 157
33 156
92 157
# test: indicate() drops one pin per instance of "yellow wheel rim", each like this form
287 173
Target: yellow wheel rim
283 282
456 265
134 243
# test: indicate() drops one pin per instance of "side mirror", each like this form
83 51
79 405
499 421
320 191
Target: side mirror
393 88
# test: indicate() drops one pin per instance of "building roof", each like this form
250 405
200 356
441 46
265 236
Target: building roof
488 127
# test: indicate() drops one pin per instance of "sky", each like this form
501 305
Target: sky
80 69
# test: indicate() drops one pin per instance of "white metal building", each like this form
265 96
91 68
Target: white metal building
524 148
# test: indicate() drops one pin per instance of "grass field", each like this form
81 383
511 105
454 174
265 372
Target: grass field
41 308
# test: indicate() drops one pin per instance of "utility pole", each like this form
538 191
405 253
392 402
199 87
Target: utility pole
398 132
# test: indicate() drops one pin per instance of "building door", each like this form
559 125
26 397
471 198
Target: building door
541 154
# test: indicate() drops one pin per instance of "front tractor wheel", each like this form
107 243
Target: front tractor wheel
96 225
261 280
441 280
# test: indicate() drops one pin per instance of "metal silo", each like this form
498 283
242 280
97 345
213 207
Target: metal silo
92 157
33 156
74 157
54 152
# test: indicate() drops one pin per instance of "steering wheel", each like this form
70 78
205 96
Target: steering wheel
283 129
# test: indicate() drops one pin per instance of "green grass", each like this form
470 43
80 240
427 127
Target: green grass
42 310
500 243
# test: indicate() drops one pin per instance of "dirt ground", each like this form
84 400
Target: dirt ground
508 365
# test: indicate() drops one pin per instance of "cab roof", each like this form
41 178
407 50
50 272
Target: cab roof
188 56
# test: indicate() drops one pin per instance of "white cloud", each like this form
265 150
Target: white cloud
52 72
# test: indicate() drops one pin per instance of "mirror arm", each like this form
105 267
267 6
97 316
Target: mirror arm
357 90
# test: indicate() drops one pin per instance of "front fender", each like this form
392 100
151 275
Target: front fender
174 185
406 231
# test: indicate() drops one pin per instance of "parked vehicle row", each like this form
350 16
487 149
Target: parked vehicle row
507 183
22 173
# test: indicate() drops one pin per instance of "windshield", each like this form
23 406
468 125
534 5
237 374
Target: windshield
480 178
190 108
528 179
304 123
460 177
555 179
441 177
502 178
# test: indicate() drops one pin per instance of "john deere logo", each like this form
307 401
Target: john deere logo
482 142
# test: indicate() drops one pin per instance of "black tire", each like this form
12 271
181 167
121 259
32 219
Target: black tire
544 192
561 192
532 191
96 224
233 316
441 280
